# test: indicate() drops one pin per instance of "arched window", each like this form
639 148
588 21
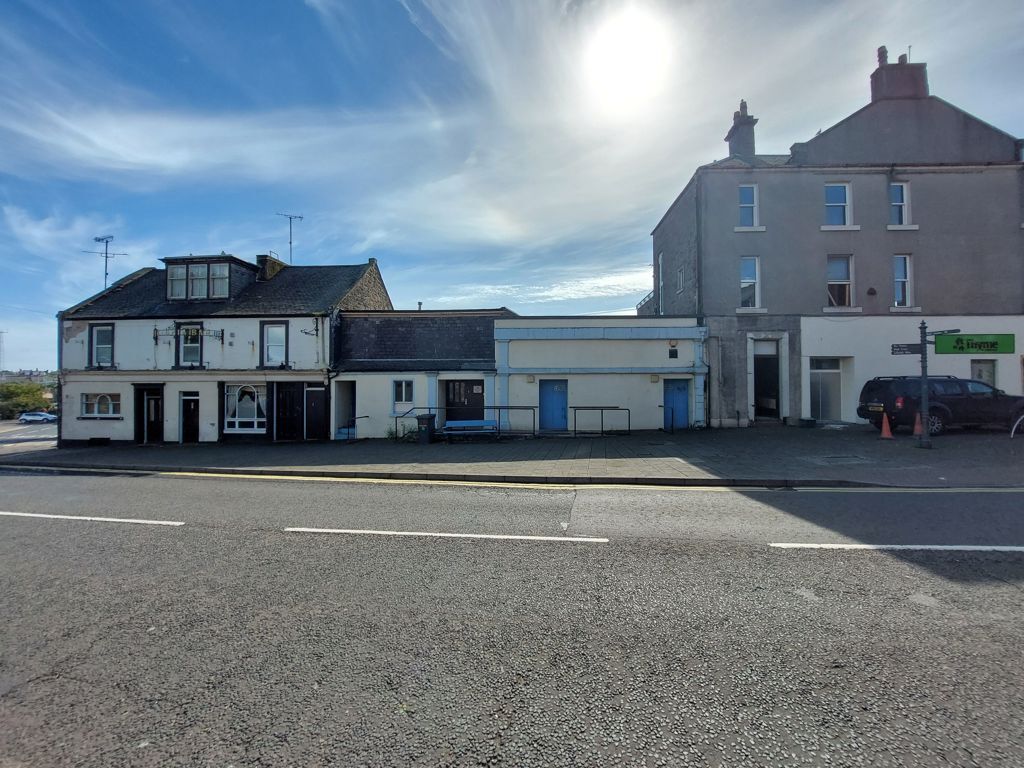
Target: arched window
245 408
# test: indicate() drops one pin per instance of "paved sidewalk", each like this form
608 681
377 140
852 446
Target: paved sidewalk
775 456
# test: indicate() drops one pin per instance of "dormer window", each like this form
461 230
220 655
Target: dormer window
177 282
198 281
218 281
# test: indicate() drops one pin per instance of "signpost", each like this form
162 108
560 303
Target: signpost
906 349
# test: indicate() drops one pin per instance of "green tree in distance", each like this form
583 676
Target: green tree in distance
17 397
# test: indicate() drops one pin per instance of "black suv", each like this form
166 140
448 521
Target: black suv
951 402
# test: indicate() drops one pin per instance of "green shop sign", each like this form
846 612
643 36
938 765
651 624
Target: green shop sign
974 344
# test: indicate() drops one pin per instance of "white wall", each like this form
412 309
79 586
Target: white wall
866 343
593 353
134 349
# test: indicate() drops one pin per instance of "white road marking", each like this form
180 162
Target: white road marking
94 519
436 535
939 547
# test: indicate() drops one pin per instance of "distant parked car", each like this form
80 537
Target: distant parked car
951 402
36 417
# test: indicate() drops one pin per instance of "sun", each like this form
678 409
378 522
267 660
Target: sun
626 62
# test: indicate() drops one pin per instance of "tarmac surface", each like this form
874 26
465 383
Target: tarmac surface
762 456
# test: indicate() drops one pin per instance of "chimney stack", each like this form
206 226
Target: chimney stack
901 80
269 266
741 135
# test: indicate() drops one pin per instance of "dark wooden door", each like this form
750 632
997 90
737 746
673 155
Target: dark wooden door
190 419
149 415
464 399
316 413
288 406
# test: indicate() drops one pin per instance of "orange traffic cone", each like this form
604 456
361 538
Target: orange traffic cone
918 430
886 431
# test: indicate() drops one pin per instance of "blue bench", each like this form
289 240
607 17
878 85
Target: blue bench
467 427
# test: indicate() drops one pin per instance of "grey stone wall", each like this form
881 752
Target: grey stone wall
369 292
676 243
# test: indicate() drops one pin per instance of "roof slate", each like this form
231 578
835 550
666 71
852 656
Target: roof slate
292 291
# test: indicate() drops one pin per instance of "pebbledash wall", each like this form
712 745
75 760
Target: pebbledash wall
863 347
620 362
142 358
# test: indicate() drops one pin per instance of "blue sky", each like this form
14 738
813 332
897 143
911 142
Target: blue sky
486 153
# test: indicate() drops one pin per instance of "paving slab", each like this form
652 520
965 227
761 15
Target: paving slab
762 455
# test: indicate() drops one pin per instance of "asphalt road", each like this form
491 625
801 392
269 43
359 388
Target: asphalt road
15 437
684 639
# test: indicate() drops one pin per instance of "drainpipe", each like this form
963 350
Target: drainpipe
60 380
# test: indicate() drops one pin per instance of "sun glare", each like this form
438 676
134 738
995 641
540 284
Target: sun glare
626 62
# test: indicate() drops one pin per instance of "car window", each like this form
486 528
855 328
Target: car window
979 388
945 387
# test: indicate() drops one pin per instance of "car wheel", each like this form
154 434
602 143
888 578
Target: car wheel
936 423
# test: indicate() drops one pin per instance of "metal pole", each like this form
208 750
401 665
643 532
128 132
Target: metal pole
925 440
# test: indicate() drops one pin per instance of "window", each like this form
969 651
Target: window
197 281
901 281
748 205
219 281
837 205
274 349
899 204
750 287
839 281
679 281
101 406
978 388
245 408
177 281
190 345
101 346
403 394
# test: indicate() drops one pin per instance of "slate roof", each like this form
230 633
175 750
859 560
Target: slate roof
456 340
292 291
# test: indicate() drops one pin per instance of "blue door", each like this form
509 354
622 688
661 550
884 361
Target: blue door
554 404
677 404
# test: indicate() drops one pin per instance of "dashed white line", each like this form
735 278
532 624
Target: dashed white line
437 535
938 547
94 519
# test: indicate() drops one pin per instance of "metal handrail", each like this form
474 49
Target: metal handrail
438 409
602 408
645 299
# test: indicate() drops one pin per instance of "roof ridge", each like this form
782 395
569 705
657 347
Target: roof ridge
116 285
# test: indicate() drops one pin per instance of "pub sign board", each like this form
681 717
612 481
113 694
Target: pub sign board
974 344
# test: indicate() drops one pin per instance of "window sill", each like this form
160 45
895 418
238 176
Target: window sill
101 367
751 310
188 367
842 310
902 227
903 310
99 418
273 367
748 229
840 227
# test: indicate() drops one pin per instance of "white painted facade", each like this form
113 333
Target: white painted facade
607 362
145 353
863 348
375 410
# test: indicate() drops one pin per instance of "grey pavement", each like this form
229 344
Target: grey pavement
763 455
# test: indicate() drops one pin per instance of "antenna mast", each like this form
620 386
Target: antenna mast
3 371
291 217
106 254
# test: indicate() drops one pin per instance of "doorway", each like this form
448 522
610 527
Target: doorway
766 379
677 404
316 413
345 409
149 414
288 410
554 405
984 370
464 399
190 417
826 389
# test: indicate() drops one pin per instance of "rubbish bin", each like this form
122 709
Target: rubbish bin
425 427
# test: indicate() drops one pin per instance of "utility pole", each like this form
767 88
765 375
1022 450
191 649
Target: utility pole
291 217
3 371
106 254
